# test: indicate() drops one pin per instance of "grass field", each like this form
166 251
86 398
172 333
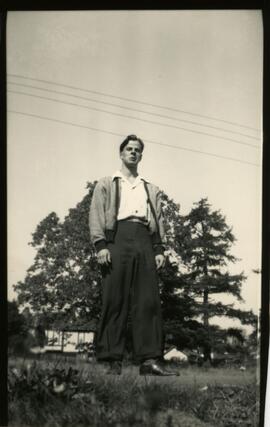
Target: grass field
67 393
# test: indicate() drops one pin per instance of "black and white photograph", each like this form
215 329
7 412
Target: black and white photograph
134 170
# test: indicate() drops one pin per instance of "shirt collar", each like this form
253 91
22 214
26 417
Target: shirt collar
118 174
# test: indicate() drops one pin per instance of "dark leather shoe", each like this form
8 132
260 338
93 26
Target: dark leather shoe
155 368
115 368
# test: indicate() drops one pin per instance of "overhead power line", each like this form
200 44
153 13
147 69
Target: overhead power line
134 101
124 135
135 118
124 107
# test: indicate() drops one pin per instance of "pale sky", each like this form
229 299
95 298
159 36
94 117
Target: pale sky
205 64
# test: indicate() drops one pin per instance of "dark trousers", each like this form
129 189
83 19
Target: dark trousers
130 283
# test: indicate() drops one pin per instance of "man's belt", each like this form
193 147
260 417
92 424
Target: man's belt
135 219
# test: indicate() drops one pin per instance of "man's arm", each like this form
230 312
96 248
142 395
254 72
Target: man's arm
97 224
159 246
160 237
97 217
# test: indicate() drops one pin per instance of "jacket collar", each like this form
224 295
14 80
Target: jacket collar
118 174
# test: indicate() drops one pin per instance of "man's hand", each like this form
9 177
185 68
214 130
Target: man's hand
104 257
160 261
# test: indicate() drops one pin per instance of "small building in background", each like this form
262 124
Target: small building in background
70 338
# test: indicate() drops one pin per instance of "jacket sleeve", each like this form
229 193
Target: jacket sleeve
97 217
159 247
160 217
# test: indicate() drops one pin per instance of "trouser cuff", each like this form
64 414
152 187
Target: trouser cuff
105 357
144 357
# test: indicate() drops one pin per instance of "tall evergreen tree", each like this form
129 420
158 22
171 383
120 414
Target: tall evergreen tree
179 308
204 241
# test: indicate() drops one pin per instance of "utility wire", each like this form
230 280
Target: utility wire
135 118
133 109
123 135
133 100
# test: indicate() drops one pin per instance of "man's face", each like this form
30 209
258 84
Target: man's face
132 153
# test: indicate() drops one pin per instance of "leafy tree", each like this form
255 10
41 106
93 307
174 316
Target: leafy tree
63 284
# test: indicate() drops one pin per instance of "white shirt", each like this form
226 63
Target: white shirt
133 200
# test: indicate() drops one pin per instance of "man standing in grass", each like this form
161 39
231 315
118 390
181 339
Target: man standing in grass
127 230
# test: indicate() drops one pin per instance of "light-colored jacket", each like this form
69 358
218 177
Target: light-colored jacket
104 207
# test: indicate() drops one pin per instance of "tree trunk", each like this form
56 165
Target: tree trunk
62 341
207 346
205 312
